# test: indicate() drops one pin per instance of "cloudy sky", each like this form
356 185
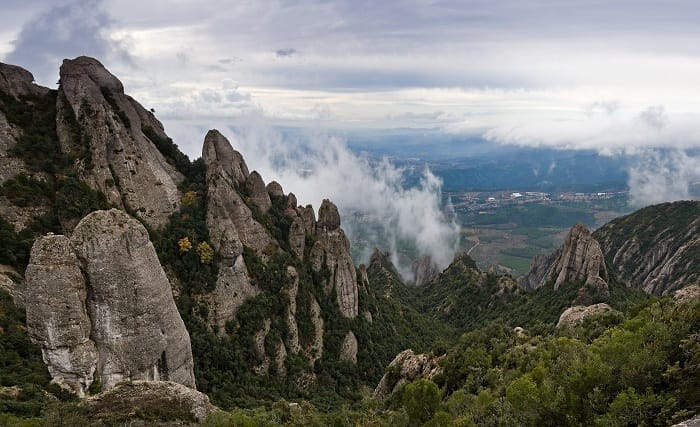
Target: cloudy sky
580 74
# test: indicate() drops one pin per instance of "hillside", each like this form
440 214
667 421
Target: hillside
656 248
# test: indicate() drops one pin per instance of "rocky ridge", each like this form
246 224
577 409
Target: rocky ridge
579 259
655 249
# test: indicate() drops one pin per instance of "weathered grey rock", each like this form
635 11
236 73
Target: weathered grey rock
406 367
574 315
258 192
291 207
315 349
16 81
537 276
259 347
105 286
348 348
309 217
328 217
230 221
297 236
693 422
233 289
578 259
126 165
135 324
275 189
334 247
12 283
229 161
424 270
655 248
57 316
292 327
150 397
687 294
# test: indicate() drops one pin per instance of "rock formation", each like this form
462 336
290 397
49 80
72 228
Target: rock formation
574 315
142 397
100 303
656 248
123 162
579 259
332 248
424 270
258 193
231 225
348 349
406 367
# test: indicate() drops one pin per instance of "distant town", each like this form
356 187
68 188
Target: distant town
482 202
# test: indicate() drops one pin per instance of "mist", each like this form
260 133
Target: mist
316 165
663 176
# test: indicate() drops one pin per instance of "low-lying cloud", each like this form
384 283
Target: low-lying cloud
318 166
663 176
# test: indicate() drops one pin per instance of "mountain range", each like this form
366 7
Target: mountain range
140 286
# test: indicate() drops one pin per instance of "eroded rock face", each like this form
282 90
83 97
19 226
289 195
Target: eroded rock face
101 303
292 327
12 283
578 259
406 367
125 164
231 225
574 315
424 270
258 192
654 249
229 220
57 315
334 247
16 81
348 349
275 189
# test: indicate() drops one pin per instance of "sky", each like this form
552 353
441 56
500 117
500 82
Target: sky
607 75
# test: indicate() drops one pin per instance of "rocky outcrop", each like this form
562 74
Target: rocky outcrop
151 399
332 251
574 315
16 82
229 219
292 327
406 367
57 315
12 283
687 294
231 226
123 162
100 302
693 422
424 270
579 259
258 193
348 348
274 189
656 248
315 349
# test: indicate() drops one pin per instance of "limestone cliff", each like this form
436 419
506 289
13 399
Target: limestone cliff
579 259
123 161
100 305
574 315
656 248
231 226
332 251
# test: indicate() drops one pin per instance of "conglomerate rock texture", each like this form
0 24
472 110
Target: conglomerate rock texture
100 306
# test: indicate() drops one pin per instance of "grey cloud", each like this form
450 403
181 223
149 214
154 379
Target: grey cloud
654 117
65 31
663 176
281 53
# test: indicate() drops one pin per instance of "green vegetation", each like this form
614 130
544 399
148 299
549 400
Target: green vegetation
534 215
170 151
